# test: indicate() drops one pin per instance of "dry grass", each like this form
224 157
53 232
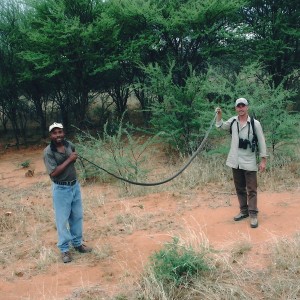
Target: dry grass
89 293
222 281
26 219
283 173
228 279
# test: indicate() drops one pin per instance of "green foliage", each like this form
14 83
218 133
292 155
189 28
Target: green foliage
25 164
270 104
177 264
118 152
274 29
193 32
180 113
11 106
60 54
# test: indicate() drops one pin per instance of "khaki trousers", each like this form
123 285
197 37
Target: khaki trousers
246 189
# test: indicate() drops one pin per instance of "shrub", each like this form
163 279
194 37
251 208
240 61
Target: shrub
25 164
120 154
177 264
180 112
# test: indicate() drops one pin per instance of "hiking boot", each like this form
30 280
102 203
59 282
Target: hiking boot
241 216
83 249
253 221
66 257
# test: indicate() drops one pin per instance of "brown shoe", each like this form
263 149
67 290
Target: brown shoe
66 257
253 222
83 249
241 216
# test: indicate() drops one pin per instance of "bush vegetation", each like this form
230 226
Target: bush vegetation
227 277
73 62
177 264
120 153
59 58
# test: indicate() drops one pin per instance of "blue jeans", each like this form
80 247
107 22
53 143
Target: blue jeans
68 211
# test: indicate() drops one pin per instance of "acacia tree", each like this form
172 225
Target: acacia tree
183 116
123 41
33 84
12 107
59 49
71 50
144 32
35 90
273 26
185 36
193 32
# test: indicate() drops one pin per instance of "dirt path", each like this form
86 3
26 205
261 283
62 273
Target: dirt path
123 231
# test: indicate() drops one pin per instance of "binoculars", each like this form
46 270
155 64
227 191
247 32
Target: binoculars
243 144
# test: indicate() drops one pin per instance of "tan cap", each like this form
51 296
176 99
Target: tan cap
55 125
241 101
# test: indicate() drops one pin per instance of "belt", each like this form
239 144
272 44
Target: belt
65 182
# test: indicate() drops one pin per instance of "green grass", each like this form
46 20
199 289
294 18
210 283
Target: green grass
25 164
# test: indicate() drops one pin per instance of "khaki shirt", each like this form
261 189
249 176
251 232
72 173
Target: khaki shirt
243 158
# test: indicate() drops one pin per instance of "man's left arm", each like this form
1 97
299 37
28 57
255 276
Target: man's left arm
262 164
262 147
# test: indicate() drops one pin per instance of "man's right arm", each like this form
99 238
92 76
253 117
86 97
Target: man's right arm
219 121
53 169
60 168
219 114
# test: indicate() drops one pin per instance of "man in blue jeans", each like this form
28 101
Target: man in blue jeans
59 159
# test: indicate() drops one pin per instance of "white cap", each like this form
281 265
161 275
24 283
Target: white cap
241 101
55 125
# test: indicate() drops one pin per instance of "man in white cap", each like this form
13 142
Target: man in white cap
59 159
242 157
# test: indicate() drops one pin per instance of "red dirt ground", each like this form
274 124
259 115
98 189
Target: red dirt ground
205 215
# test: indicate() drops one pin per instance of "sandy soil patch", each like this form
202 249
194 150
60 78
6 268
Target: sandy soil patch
123 231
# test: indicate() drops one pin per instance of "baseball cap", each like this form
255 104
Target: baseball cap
241 101
55 125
